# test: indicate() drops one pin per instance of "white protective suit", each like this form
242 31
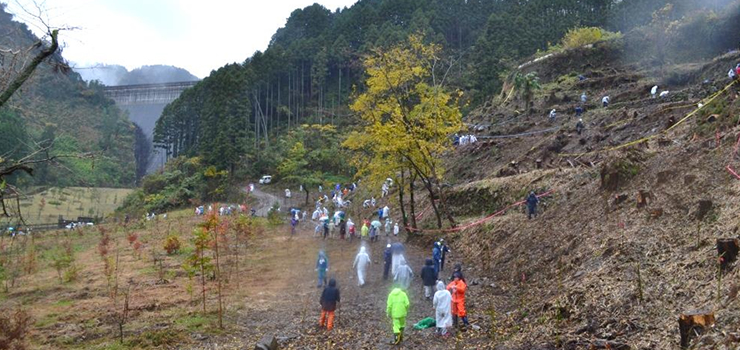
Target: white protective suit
442 305
397 254
361 262
403 275
654 91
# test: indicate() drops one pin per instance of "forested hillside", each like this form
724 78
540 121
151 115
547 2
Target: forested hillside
312 67
56 107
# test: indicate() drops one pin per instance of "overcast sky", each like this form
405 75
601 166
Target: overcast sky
197 35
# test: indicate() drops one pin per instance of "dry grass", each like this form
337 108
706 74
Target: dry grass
71 202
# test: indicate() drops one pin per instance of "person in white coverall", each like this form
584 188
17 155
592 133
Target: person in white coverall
397 251
442 303
361 262
403 275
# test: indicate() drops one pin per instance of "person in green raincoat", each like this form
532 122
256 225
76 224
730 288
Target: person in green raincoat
397 309
364 231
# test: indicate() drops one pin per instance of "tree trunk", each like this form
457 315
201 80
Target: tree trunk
305 189
26 73
303 104
432 198
412 202
445 207
203 284
401 185
218 281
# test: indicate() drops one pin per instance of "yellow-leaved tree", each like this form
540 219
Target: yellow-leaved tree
407 120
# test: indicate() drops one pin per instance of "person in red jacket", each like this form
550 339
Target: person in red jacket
457 288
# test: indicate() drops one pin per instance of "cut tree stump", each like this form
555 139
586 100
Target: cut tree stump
618 199
727 249
642 198
705 206
267 342
656 213
692 323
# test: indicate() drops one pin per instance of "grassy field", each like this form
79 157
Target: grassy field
47 204
69 285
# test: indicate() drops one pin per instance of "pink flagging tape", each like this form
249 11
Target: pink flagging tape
476 223
729 163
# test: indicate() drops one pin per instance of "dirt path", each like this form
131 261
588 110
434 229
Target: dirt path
264 201
286 301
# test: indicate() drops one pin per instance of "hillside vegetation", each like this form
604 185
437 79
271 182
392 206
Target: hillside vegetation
313 67
631 207
56 107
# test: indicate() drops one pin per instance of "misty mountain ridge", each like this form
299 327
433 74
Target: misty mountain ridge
112 75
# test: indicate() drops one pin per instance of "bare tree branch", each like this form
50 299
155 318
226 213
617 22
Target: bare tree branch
28 70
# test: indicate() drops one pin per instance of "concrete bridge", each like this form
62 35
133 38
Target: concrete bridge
145 104
147 94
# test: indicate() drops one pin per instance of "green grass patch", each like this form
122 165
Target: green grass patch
47 320
194 322
64 302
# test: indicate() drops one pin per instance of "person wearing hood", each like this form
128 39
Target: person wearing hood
428 277
364 230
395 229
351 229
397 251
322 266
580 126
329 301
397 307
342 228
457 288
361 262
387 259
403 275
442 303
654 91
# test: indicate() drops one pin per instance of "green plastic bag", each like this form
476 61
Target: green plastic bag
425 323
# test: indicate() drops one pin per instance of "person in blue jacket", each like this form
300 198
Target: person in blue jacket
444 249
532 201
436 257
387 260
322 266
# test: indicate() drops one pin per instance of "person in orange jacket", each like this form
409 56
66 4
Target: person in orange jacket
458 287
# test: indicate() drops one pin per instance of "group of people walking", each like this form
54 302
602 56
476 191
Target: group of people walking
448 300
